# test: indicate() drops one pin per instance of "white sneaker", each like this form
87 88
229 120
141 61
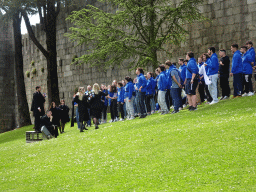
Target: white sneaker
121 119
226 97
244 95
250 94
110 121
131 118
213 102
184 106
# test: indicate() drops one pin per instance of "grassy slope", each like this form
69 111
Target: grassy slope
212 149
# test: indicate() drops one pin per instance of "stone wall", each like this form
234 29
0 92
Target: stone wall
232 21
7 92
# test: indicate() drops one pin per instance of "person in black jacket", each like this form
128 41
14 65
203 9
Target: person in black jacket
82 100
56 117
64 117
38 107
47 126
224 71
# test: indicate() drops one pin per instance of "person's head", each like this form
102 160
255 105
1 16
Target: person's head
139 70
38 88
161 68
96 88
249 44
49 113
168 63
181 61
157 71
189 55
89 88
81 89
123 82
186 62
109 87
243 49
211 50
114 82
234 48
102 86
113 88
174 64
199 59
62 102
205 56
127 79
53 105
222 52
149 75
120 84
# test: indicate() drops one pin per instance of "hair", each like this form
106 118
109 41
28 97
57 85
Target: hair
249 42
212 49
48 111
235 45
140 70
151 74
223 50
63 100
128 79
96 88
37 87
190 54
185 61
113 88
206 55
181 59
51 106
244 47
174 64
80 89
169 63
162 68
120 84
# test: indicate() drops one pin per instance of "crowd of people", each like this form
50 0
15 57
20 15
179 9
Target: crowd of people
168 88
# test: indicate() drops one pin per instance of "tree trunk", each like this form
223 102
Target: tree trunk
23 110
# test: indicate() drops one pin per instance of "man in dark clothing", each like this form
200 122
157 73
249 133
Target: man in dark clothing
38 107
46 125
224 71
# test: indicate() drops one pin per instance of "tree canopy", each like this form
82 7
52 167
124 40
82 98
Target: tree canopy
133 30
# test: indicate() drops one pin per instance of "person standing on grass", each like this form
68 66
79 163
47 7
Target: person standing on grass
88 93
191 82
56 117
224 74
201 86
64 116
105 101
141 92
237 71
176 89
247 71
149 92
112 95
251 51
129 98
207 60
120 99
38 107
182 69
212 73
162 85
168 95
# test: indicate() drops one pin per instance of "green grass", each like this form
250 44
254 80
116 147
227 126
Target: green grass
211 149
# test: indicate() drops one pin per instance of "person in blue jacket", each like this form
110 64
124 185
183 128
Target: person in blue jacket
192 75
212 73
149 92
237 71
247 71
168 95
120 99
129 98
251 50
162 84
141 92
182 69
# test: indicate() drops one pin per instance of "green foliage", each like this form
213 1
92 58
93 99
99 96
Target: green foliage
33 71
32 63
42 69
74 58
28 74
211 149
134 30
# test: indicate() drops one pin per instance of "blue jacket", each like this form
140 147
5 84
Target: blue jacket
252 53
111 94
141 81
247 60
153 85
120 94
199 66
104 98
183 70
162 83
150 86
208 62
128 90
237 65
213 67
168 77
192 66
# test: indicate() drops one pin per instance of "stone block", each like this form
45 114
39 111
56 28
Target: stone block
249 2
68 73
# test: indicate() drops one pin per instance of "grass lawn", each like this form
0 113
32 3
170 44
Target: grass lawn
211 149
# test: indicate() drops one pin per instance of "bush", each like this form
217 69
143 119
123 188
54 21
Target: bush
28 73
32 63
42 70
33 71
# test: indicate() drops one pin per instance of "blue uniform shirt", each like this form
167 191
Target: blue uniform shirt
247 60
237 65
141 81
192 66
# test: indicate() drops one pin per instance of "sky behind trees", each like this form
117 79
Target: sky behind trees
33 20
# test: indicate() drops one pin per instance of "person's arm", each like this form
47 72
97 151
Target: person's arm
193 77
175 80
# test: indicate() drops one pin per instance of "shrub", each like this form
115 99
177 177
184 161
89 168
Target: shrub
33 71
42 70
32 63
28 73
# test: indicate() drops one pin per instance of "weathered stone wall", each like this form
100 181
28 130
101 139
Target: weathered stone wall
7 84
232 21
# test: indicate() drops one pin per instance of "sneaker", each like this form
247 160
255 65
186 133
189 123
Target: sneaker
190 107
142 116
250 94
131 118
184 106
121 119
245 94
175 112
181 108
111 121
96 127
152 112
213 102
222 98
193 108
226 97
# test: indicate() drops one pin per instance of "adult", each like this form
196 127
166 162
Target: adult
207 60
247 71
82 100
120 99
224 70
141 92
162 84
191 82
38 107
64 116
251 51
129 98
105 101
212 73
47 127
182 69
149 92
201 87
168 96
88 93
237 71
56 117
176 89
96 104
112 95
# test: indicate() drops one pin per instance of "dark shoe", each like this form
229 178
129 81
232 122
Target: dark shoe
175 111
96 127
38 131
193 108
142 116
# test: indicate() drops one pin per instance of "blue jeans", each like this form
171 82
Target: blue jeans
77 118
141 102
176 96
238 83
125 112
89 121
153 103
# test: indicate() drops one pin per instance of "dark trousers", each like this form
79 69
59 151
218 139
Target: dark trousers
224 85
89 121
247 83
208 95
176 95
168 98
238 83
37 122
121 109
201 91
104 112
148 99
113 109
141 102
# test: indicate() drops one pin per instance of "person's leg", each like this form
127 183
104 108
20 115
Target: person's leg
153 104
121 109
148 98
77 118
201 91
162 101
240 81
213 88
89 121
62 127
112 110
167 98
115 108
250 83
226 86
208 95
175 99
193 100
124 108
189 100
37 123
246 83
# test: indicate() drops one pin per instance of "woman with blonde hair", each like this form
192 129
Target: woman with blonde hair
96 104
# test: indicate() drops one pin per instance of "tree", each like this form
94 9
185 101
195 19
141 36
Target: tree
133 29
12 11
